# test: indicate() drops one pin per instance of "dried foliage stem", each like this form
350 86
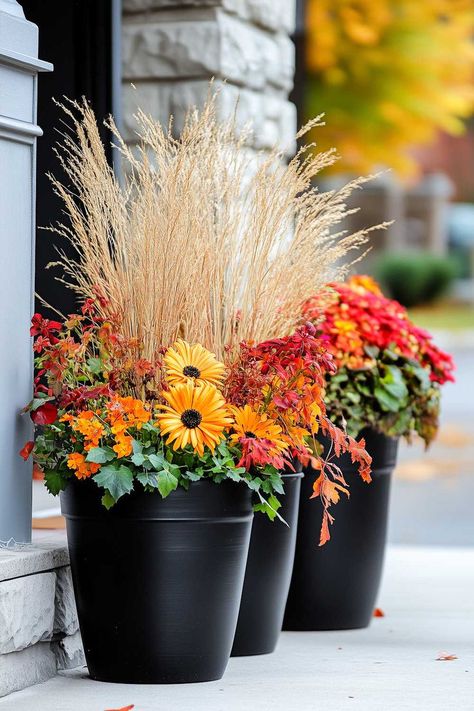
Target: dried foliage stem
201 241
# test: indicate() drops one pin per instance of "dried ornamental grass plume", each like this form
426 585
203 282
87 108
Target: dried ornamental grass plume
198 243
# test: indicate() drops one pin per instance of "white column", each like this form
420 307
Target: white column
19 66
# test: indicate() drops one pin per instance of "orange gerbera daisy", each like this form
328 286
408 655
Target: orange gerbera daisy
259 437
254 425
185 363
195 416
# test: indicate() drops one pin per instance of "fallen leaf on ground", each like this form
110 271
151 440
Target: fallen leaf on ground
445 657
378 612
123 708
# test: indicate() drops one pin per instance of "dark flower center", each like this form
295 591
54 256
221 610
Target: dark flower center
190 371
191 419
251 435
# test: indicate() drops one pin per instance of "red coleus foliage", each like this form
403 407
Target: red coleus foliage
259 451
290 373
44 328
356 315
45 414
26 450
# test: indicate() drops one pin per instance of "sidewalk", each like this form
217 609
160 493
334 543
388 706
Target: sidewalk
432 492
428 601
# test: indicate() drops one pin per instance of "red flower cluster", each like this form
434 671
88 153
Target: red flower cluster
356 315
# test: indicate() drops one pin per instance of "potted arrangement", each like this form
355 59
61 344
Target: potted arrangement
387 386
168 400
290 374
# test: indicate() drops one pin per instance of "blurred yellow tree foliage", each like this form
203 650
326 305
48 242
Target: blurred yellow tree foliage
389 74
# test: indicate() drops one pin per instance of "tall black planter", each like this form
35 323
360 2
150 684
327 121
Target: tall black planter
335 586
158 582
268 575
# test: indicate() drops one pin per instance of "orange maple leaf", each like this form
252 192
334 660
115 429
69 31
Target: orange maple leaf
123 708
378 612
327 489
324 536
360 456
445 657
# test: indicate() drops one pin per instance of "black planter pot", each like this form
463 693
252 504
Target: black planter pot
158 581
268 575
335 587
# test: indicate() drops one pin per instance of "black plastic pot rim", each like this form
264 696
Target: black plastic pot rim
173 519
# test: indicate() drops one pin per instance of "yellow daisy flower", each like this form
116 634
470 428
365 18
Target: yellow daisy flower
194 415
185 363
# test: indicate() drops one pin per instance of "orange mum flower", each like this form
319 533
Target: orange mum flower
125 412
82 468
123 445
90 427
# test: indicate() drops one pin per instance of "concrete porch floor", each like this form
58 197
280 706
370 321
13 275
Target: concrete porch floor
428 600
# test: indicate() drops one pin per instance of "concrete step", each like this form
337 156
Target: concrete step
38 622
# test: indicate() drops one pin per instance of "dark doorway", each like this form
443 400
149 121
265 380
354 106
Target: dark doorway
76 36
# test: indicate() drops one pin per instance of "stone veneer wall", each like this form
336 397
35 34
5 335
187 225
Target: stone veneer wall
39 632
172 48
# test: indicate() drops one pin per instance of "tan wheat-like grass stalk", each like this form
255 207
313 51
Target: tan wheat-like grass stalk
200 241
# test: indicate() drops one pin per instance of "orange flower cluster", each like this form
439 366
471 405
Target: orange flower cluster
81 467
121 414
88 425
125 413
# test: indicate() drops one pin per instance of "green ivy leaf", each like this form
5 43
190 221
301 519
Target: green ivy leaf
269 507
108 500
167 483
100 455
234 475
158 461
149 427
137 447
254 484
54 481
116 479
277 482
193 475
148 478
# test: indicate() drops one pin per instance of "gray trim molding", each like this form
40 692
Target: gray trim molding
11 7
